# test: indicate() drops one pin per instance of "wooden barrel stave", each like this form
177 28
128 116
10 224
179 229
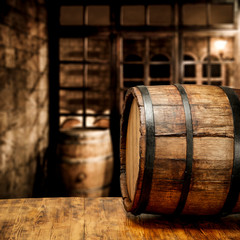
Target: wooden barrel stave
87 174
84 149
213 146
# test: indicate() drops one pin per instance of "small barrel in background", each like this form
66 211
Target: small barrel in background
86 161
70 123
180 150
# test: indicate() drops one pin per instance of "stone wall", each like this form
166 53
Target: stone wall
23 95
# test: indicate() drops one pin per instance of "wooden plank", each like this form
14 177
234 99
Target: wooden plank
58 218
212 120
204 148
207 120
161 95
210 194
210 109
206 95
102 218
211 173
169 120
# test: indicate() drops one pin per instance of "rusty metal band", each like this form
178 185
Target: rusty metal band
189 153
234 190
150 150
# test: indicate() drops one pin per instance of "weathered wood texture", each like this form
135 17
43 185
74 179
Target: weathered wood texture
132 149
86 161
101 218
213 149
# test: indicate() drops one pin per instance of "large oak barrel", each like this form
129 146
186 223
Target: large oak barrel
180 150
86 161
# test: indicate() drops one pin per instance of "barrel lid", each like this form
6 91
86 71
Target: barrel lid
133 149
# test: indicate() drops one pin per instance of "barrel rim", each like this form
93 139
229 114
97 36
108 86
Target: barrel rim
130 206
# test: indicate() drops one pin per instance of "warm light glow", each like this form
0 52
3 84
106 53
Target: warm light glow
220 45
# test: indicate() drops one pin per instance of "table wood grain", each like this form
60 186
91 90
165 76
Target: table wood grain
102 218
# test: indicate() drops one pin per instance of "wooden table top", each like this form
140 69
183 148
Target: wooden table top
101 218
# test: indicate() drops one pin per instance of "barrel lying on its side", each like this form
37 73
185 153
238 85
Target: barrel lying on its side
180 150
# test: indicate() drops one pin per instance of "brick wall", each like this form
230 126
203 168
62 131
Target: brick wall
23 95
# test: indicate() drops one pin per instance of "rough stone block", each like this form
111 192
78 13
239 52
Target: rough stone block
19 21
19 79
2 55
7 145
32 101
27 60
4 35
7 99
31 8
18 40
42 30
43 48
32 80
31 114
24 179
16 119
21 97
43 98
43 141
21 58
32 137
42 13
4 78
43 81
20 146
28 7
10 57
43 117
3 122
33 28
6 189
34 43
32 63
43 63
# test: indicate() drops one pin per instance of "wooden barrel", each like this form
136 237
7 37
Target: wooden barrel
180 150
86 161
102 122
70 123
